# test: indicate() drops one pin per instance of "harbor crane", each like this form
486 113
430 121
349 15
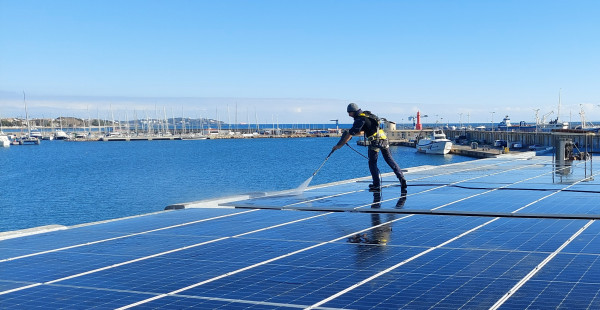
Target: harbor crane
414 119
537 119
545 115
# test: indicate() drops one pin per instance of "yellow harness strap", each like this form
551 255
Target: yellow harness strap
380 134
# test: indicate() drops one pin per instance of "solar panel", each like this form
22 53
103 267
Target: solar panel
510 232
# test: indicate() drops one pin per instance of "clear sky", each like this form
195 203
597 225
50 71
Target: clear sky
301 61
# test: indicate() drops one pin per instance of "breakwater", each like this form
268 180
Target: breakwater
581 138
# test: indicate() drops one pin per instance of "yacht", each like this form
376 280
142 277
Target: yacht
59 134
29 140
4 140
34 133
436 144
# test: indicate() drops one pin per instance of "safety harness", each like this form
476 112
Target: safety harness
379 133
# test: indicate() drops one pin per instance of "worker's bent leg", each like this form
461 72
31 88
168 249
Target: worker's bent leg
385 152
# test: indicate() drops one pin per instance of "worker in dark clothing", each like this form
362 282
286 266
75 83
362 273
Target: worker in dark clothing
365 122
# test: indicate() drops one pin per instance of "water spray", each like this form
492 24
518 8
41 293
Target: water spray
304 185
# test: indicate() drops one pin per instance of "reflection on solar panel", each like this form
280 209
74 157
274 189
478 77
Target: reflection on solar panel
510 232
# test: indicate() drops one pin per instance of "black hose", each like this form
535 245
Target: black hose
359 153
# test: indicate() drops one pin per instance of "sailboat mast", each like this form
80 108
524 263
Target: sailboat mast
173 117
98 117
26 115
112 116
228 119
558 114
166 124
182 121
256 118
89 120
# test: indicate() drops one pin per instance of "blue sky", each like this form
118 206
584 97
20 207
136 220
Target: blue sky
301 61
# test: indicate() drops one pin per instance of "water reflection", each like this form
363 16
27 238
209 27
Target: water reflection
379 234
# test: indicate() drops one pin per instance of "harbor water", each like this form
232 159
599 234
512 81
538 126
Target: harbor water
69 183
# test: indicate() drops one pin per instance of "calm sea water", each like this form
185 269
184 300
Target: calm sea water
69 183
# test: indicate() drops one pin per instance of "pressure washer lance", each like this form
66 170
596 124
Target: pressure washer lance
322 164
300 189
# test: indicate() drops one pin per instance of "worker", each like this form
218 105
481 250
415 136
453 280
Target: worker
367 123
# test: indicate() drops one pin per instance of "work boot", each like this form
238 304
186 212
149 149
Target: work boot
403 185
374 189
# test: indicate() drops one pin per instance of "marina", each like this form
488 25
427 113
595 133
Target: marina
363 155
472 143
129 178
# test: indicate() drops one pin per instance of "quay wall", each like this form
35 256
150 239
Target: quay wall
488 137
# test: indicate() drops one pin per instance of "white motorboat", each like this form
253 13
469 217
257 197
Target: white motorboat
436 144
4 140
29 140
34 133
59 134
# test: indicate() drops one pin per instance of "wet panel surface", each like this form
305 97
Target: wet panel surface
453 241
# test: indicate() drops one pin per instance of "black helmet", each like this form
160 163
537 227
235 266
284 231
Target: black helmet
353 107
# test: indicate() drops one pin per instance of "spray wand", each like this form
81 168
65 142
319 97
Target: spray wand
300 189
322 164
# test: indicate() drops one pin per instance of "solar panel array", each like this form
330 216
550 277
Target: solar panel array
503 233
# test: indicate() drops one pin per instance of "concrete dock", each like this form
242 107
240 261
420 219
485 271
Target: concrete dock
487 137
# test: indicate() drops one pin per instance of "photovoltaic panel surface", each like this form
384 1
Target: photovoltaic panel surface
511 232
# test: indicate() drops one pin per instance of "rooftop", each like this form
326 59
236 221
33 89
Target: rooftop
507 232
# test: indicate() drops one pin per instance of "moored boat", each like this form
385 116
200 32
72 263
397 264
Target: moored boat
552 125
436 144
4 140
34 133
60 135
33 136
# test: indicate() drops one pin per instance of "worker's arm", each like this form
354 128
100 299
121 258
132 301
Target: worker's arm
346 136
